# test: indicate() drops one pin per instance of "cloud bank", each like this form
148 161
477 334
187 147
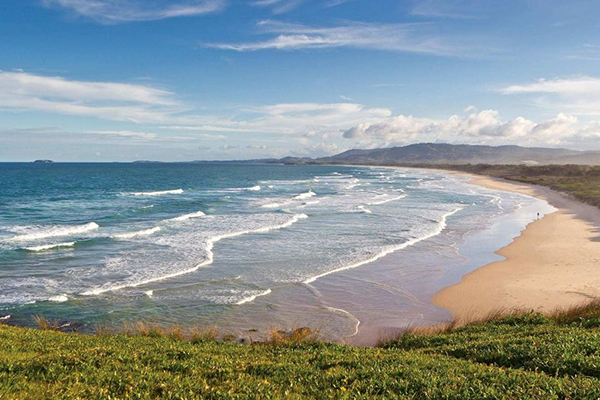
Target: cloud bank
479 127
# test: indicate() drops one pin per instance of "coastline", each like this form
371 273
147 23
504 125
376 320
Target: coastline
554 263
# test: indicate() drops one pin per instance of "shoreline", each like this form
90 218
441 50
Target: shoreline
554 263
520 281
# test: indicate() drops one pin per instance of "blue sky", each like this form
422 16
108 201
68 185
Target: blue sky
121 80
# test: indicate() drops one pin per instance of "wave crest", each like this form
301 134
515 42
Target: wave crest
50 246
253 297
158 193
185 217
145 232
43 232
306 195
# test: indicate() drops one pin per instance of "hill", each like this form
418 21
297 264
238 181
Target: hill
526 356
436 153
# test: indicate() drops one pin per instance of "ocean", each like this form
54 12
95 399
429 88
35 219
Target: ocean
243 247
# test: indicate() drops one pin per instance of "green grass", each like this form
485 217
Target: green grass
517 357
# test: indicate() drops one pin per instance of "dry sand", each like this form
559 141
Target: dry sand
555 262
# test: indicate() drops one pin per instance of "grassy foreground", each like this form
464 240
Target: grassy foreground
518 357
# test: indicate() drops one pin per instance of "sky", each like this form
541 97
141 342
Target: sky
180 80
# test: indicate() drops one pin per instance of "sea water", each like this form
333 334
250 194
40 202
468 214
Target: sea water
244 247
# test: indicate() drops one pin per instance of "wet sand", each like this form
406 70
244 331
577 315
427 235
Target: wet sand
554 263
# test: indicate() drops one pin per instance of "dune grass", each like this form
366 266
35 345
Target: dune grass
519 356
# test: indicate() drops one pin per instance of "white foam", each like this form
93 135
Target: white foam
158 193
309 203
185 217
364 209
306 195
50 246
388 250
42 232
253 297
5 317
59 299
349 315
210 257
254 188
145 232
273 205
386 200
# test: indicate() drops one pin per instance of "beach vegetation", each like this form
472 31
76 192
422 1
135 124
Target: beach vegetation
516 355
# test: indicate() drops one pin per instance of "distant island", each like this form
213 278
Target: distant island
43 162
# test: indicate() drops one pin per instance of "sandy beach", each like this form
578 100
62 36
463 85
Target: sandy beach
554 263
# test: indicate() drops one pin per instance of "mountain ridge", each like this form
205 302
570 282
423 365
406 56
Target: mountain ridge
445 153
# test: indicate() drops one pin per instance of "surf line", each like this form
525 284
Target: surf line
388 250
209 246
347 314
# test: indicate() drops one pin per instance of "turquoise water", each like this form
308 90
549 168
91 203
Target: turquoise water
225 244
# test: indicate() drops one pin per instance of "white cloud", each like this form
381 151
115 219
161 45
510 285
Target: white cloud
322 149
124 136
279 6
226 127
577 95
578 85
117 11
458 9
291 119
483 127
24 84
127 134
141 104
413 38
257 147
335 3
107 100
311 119
283 6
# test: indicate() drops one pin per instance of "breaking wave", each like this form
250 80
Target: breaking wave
185 217
210 243
145 232
253 297
158 193
43 232
50 246
390 249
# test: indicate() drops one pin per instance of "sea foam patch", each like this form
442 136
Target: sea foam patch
187 250
37 232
